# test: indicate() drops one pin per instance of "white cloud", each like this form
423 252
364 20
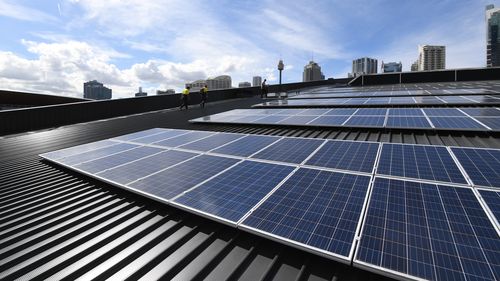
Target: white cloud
16 11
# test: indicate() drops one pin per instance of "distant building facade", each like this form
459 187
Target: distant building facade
414 66
392 67
96 91
431 57
312 72
492 36
219 82
244 84
256 81
141 93
363 66
196 85
167 92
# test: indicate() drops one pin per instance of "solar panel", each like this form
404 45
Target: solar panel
233 193
97 153
289 150
492 122
246 146
140 134
315 209
273 119
161 136
428 231
297 120
346 155
455 123
443 112
330 120
135 170
114 160
492 200
370 121
482 111
314 111
481 165
173 181
341 111
211 142
58 154
420 162
184 139
371 111
407 122
405 112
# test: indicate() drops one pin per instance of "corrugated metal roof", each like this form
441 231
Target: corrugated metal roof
58 224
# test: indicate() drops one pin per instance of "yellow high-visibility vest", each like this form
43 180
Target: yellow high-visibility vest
185 92
204 90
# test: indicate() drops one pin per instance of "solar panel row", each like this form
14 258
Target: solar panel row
302 193
485 119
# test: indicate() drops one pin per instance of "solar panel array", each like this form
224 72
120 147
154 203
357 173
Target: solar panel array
430 210
391 93
474 119
417 100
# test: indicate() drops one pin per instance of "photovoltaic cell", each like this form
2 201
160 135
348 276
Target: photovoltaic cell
273 119
297 120
428 231
246 146
482 111
177 179
94 154
341 111
58 154
289 150
482 165
346 155
405 112
329 120
233 193
407 122
448 112
371 111
316 208
371 121
184 139
140 134
135 170
114 160
161 136
211 142
420 162
492 122
492 199
455 123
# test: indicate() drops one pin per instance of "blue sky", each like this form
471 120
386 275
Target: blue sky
54 46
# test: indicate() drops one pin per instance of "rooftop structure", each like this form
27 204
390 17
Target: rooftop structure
96 91
363 66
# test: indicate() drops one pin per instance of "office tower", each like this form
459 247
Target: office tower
392 67
414 66
312 72
256 81
492 36
431 57
219 82
96 91
141 93
244 84
167 92
363 66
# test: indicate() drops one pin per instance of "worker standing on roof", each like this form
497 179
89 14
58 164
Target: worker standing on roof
185 97
263 89
203 93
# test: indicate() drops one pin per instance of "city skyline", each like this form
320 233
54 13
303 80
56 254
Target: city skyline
55 46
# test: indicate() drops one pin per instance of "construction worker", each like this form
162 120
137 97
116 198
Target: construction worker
263 89
185 97
203 93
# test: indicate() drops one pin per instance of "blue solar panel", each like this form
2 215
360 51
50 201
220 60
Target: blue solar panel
314 111
184 139
341 111
140 134
443 112
482 111
94 154
114 160
420 162
407 122
329 120
482 165
58 154
371 121
289 150
246 146
233 193
211 142
371 111
177 179
492 199
428 231
297 120
492 122
455 123
161 136
346 155
316 208
249 118
405 112
273 119
138 169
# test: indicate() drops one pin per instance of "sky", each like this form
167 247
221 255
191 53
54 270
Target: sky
53 47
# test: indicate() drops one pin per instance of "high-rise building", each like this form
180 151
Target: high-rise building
96 91
256 81
167 92
141 93
312 72
363 66
414 66
244 84
492 36
392 67
219 82
431 57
